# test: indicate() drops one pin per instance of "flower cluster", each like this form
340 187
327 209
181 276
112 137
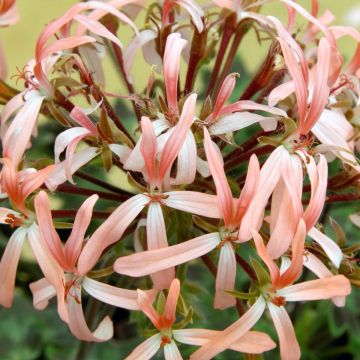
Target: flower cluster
236 183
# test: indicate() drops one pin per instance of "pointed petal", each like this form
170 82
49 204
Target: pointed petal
232 333
330 247
136 43
50 268
269 177
289 346
42 292
174 46
193 202
156 260
223 191
321 271
169 314
17 137
186 162
157 239
224 94
171 352
265 257
147 349
82 220
249 189
253 342
237 121
33 181
82 119
65 138
177 137
58 175
225 278
97 28
77 323
148 148
319 289
47 230
110 231
123 298
8 266
297 251
145 304
321 88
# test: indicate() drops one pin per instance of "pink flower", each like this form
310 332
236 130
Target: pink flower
252 342
62 278
232 212
274 296
18 186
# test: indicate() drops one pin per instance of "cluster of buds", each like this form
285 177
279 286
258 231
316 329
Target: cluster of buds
201 191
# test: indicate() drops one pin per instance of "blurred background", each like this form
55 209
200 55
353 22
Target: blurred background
324 332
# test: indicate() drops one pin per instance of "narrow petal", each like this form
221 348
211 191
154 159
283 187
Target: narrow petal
224 94
50 268
249 189
82 119
225 277
174 46
269 177
194 203
297 252
321 271
330 247
147 349
145 304
186 162
47 230
237 121
223 191
58 175
157 239
253 342
177 137
156 260
77 323
16 139
169 314
65 138
232 333
33 181
265 257
123 298
42 292
148 148
319 289
8 266
171 352
82 220
136 43
110 231
289 346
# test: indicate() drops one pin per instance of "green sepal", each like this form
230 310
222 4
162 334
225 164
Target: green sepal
62 225
339 232
161 301
261 274
204 225
243 295
186 320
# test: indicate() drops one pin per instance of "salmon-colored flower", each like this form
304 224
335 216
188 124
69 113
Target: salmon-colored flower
252 341
274 296
232 212
62 278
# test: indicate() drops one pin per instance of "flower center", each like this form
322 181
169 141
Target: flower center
14 221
